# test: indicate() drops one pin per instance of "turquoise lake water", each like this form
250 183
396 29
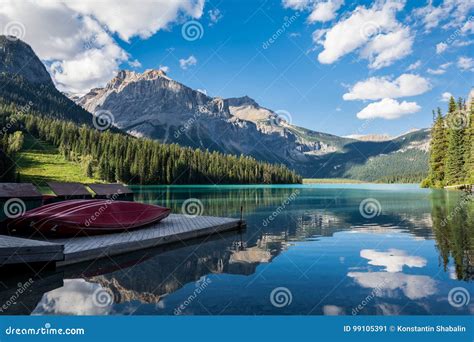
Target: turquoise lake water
330 249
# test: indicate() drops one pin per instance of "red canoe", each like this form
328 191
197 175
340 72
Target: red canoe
87 217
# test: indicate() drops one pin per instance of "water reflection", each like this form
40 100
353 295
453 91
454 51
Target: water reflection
319 246
453 227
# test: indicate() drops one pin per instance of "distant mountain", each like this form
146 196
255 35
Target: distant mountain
26 83
153 105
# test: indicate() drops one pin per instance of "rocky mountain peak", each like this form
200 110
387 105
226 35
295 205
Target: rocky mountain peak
242 101
19 59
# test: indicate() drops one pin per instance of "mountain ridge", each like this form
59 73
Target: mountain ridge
151 104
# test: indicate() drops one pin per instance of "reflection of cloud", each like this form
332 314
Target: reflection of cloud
74 298
393 259
333 310
412 286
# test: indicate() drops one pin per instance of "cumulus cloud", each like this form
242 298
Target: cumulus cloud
296 4
440 70
441 47
75 38
393 260
414 65
466 63
453 12
375 88
384 49
325 11
388 109
446 96
127 19
186 63
376 28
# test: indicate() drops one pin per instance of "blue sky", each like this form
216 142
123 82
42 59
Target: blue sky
403 55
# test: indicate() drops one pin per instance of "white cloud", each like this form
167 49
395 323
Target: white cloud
384 49
377 23
127 19
325 11
385 283
436 71
393 260
414 65
441 47
375 88
135 63
164 68
186 63
440 70
468 27
75 38
296 4
215 16
466 63
388 109
453 12
446 96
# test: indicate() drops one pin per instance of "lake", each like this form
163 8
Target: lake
328 249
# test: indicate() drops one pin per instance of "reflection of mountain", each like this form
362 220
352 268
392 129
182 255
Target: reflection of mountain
453 226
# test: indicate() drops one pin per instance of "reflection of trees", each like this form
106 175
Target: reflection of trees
453 226
214 199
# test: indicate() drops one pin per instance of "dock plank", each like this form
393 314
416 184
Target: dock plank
173 229
15 250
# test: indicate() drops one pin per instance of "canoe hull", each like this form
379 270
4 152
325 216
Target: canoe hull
86 217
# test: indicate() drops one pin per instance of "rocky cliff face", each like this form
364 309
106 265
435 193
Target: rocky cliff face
17 58
153 105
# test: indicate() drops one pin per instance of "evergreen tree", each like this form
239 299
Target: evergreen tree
469 145
455 122
437 151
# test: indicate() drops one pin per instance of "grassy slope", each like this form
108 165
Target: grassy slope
39 162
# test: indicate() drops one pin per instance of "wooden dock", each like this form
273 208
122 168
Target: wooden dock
173 229
14 250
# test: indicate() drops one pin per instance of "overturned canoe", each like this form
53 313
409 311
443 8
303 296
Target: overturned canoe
86 217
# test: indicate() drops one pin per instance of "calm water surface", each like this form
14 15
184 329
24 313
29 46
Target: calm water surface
310 249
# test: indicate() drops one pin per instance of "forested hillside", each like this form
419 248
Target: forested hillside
118 157
452 146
